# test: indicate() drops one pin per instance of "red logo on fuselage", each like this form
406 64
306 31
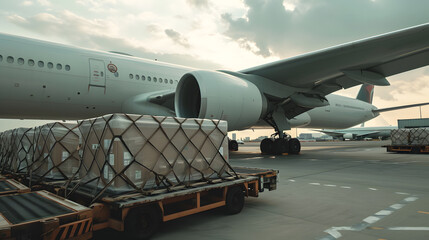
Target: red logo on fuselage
112 68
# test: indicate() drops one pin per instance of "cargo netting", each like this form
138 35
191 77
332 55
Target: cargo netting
410 136
22 150
55 153
134 153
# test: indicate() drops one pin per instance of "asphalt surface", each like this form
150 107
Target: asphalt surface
332 190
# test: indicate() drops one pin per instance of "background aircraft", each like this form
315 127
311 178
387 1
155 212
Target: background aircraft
42 80
359 133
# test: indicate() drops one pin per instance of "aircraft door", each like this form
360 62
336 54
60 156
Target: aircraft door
97 77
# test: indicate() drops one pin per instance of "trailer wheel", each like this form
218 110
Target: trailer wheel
415 150
142 223
234 200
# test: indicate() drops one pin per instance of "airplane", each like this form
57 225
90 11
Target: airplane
359 133
43 80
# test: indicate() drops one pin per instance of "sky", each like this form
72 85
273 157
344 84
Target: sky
229 35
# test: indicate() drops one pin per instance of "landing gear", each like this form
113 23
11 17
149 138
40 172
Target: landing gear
232 145
279 142
278 146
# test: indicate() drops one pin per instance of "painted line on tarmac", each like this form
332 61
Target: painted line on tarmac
334 232
401 228
402 193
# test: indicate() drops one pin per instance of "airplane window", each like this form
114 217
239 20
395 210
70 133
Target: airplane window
131 76
143 78
30 62
50 65
10 59
148 78
137 77
67 67
20 61
116 74
154 79
171 81
59 66
1 58
165 80
41 64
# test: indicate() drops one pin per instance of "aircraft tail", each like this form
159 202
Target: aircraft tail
366 93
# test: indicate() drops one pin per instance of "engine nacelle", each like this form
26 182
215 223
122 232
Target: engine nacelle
217 95
350 136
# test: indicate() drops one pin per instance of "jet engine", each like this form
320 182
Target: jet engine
217 95
350 136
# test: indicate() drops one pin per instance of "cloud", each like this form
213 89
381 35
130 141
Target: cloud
27 3
45 3
287 28
198 3
177 37
93 33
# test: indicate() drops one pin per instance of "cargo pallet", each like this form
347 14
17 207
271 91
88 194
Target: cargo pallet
43 215
141 215
407 148
9 186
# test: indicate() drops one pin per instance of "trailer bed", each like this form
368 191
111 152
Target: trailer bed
43 215
407 148
8 186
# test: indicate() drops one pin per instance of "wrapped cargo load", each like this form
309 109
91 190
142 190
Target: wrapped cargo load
400 136
419 136
410 136
129 153
55 152
22 148
8 140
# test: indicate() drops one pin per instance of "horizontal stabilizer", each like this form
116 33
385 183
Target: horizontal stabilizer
398 107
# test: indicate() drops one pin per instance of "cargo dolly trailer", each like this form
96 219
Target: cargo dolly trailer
43 215
140 216
409 140
407 148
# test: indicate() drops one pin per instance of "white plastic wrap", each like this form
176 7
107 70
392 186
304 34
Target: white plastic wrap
400 136
410 136
55 152
123 153
21 156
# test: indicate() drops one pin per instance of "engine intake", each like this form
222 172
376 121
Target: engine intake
217 95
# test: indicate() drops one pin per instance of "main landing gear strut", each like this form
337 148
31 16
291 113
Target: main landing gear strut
283 143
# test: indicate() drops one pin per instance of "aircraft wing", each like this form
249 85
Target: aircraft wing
398 107
363 134
331 133
365 61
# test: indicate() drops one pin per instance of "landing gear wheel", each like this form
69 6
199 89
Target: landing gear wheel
294 146
280 146
234 200
266 146
142 223
233 145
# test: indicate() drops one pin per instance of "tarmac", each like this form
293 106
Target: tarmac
332 190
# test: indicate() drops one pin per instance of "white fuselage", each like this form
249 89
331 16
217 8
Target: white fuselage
41 80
